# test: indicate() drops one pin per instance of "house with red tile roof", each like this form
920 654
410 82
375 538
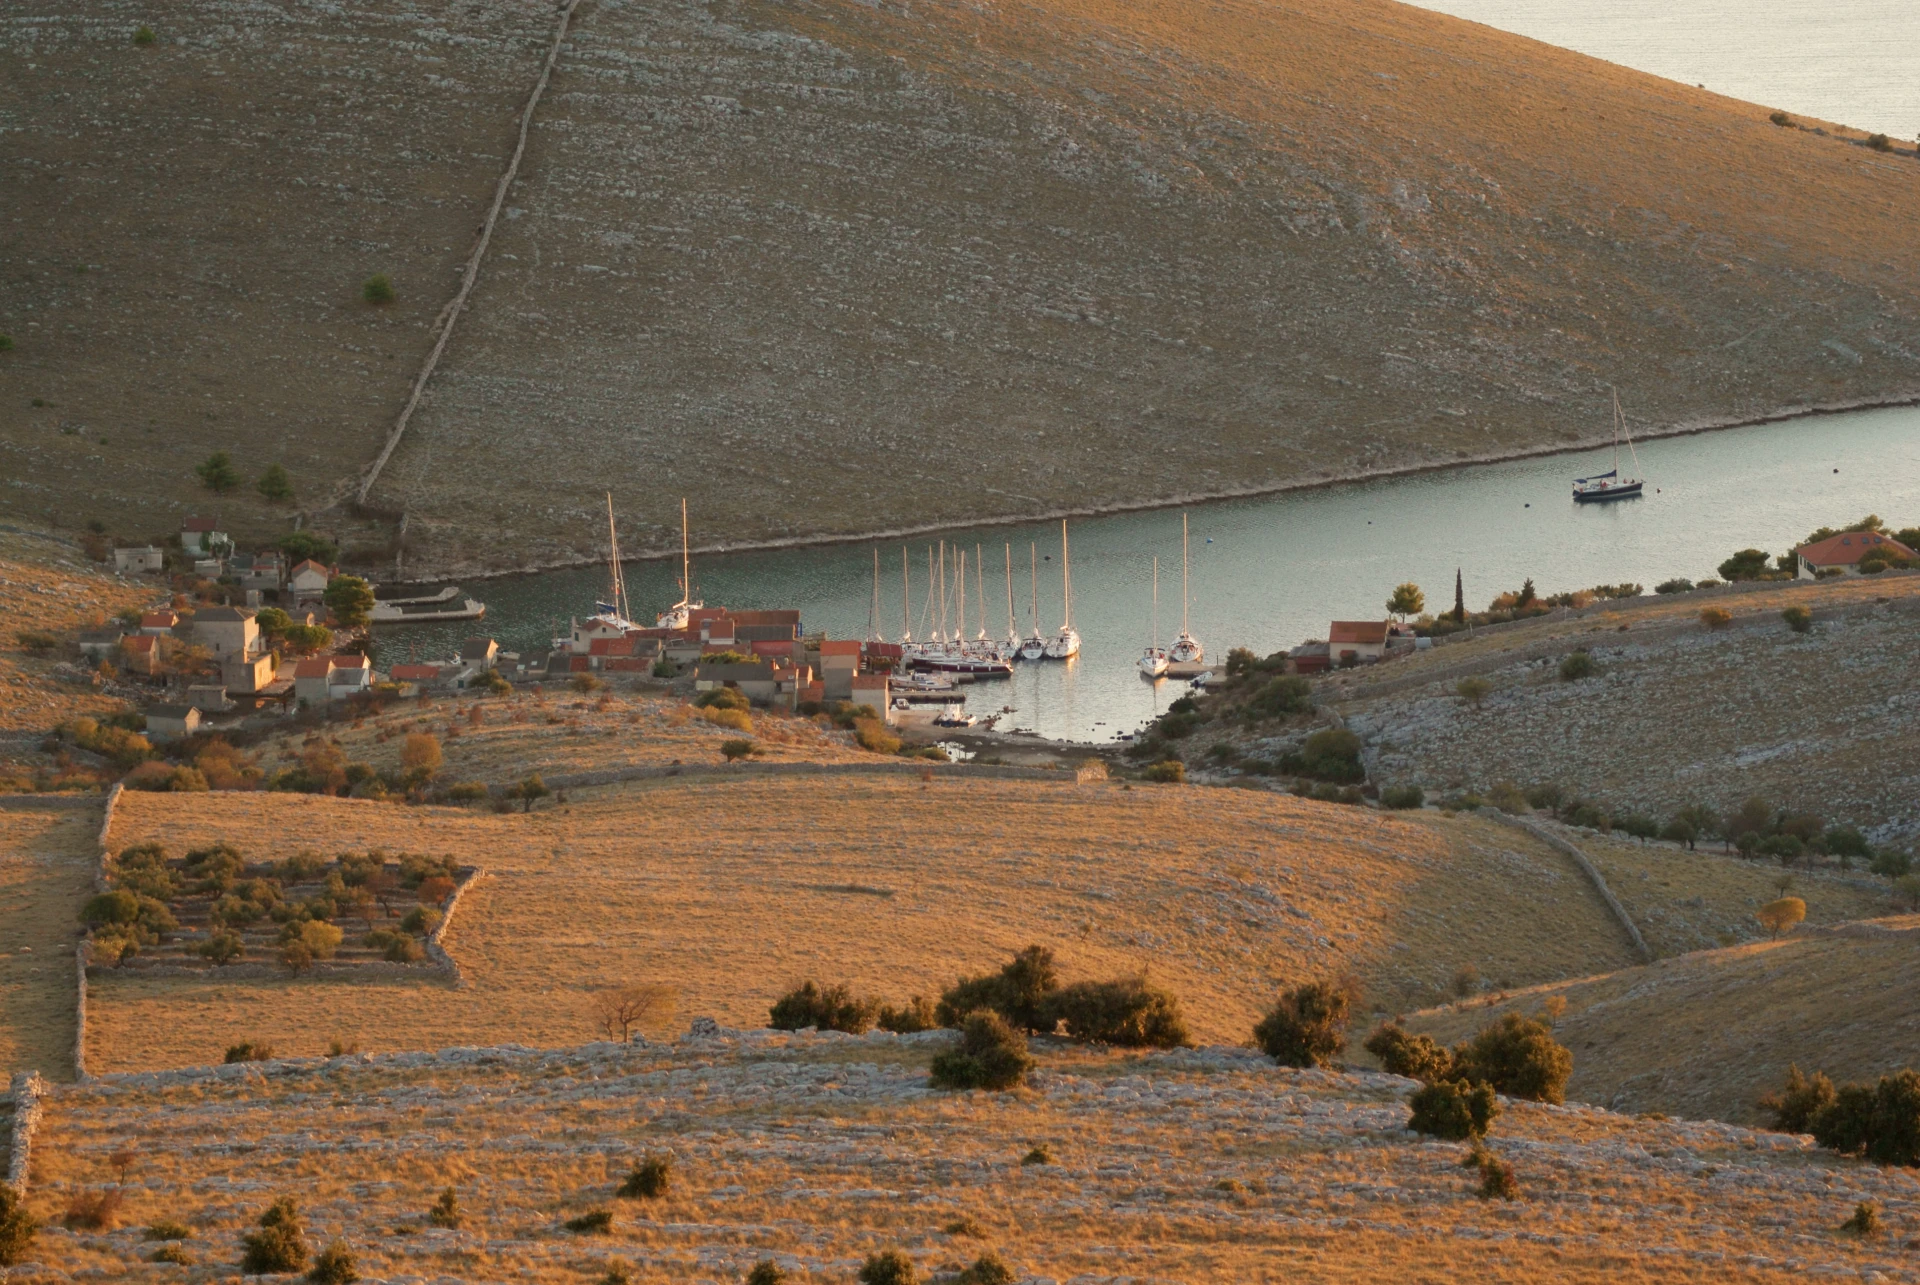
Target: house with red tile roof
1841 554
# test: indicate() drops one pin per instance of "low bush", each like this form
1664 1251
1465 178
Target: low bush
651 1179
1496 1175
988 1269
872 735
1798 619
992 1054
736 749
1473 690
143 36
1018 992
1518 1057
1780 915
446 1210
1880 1121
420 921
249 1051
1282 696
279 1246
1308 1026
377 289
722 698
1880 142
767 1272
916 1015
1038 1156
1796 1105
829 1008
1865 1220
1576 666
1453 1109
1715 618
1128 1013
1403 797
1678 585
595 1222
17 1227
1781 119
174 1254
334 1266
168 1229
1417 1057
223 947
1330 754
888 1267
94 1210
1167 772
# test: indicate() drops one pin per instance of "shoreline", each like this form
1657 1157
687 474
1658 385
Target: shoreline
1684 428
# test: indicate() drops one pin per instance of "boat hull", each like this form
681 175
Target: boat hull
1625 491
978 667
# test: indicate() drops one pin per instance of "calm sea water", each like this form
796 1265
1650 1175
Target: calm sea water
1854 62
1269 573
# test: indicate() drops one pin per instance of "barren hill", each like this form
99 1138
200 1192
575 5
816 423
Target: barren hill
828 267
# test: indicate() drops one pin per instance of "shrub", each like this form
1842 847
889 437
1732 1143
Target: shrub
1038 1156
991 1055
736 749
651 1179
376 289
1167 772
334 1266
1678 585
1795 1106
174 1254
217 474
1881 1122
1128 1013
403 950
94 1210
1879 142
1866 1214
1715 618
1781 119
889 1267
317 937
767 1272
1519 1058
1798 619
620 1272
1577 666
1639 825
594 1222
1402 797
1018 992
831 1008
249 1051
1417 1057
446 1210
1496 1175
1282 696
1330 754
1780 915
421 920
279 1246
1890 863
17 1227
1308 1026
988 1269
917 1014
1453 1109
466 792
143 35
222 947
167 1229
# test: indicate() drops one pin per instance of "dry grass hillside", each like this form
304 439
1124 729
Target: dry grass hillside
47 860
732 890
817 1151
767 254
1705 1035
1824 721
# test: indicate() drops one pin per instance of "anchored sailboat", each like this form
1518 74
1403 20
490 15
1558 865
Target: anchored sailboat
1153 662
1610 485
680 613
1186 648
1065 645
1035 647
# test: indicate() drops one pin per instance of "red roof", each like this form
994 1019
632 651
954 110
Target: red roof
1847 548
139 642
870 681
321 567
318 667
1364 633
159 620
200 524
350 662
415 673
849 648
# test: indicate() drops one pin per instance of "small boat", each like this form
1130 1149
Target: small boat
1200 680
954 718
680 613
1035 645
609 618
1186 648
1610 485
1153 662
397 611
1064 645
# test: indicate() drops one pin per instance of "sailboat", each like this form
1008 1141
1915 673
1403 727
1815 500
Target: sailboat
1035 647
680 613
1011 648
1065 645
1610 485
949 652
1186 648
610 616
1153 662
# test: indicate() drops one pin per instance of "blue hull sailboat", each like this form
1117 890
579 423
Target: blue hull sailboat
1609 485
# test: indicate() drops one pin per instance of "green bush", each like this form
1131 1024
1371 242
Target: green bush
377 290
1473 690
143 35
420 921
1017 993
722 698
737 748
1518 1057
249 1051
143 870
1128 1013
1880 1122
830 1008
1167 772
17 1227
651 1179
1798 619
1796 1105
1282 696
1680 585
1781 119
1577 666
1748 564
1330 754
1417 1057
1891 864
767 1272
1496 1175
168 1229
446 1210
988 1269
1453 1109
1865 1220
334 1266
889 1267
1308 1026
279 1246
595 1222
992 1054
916 1015
175 1254
1403 797
217 474
274 484
222 947
1880 142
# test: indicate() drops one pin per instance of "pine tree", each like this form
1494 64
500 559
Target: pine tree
1459 599
218 472
275 484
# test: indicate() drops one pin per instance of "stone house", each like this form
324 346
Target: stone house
227 631
308 580
163 621
873 690
839 662
249 675
310 680
140 654
203 538
756 680
1356 641
139 560
479 653
171 722
100 644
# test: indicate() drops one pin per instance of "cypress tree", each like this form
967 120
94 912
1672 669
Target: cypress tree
1459 599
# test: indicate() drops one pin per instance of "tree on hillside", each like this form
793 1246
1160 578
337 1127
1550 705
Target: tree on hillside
350 599
1459 599
275 484
301 545
217 473
623 1009
377 289
1778 916
420 757
1748 564
1407 600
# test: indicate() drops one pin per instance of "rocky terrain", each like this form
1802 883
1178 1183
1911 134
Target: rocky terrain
801 261
816 1150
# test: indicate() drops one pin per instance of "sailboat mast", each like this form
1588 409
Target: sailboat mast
1156 604
1013 631
1033 587
686 563
942 636
1066 577
980 586
906 599
873 608
960 595
617 588
1183 574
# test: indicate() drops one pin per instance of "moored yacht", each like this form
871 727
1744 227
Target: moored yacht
1610 485
1153 662
1064 645
1186 648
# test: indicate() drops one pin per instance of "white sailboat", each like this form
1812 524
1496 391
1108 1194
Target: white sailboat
1609 485
1035 647
1011 648
1153 662
609 618
1065 645
1186 648
680 613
